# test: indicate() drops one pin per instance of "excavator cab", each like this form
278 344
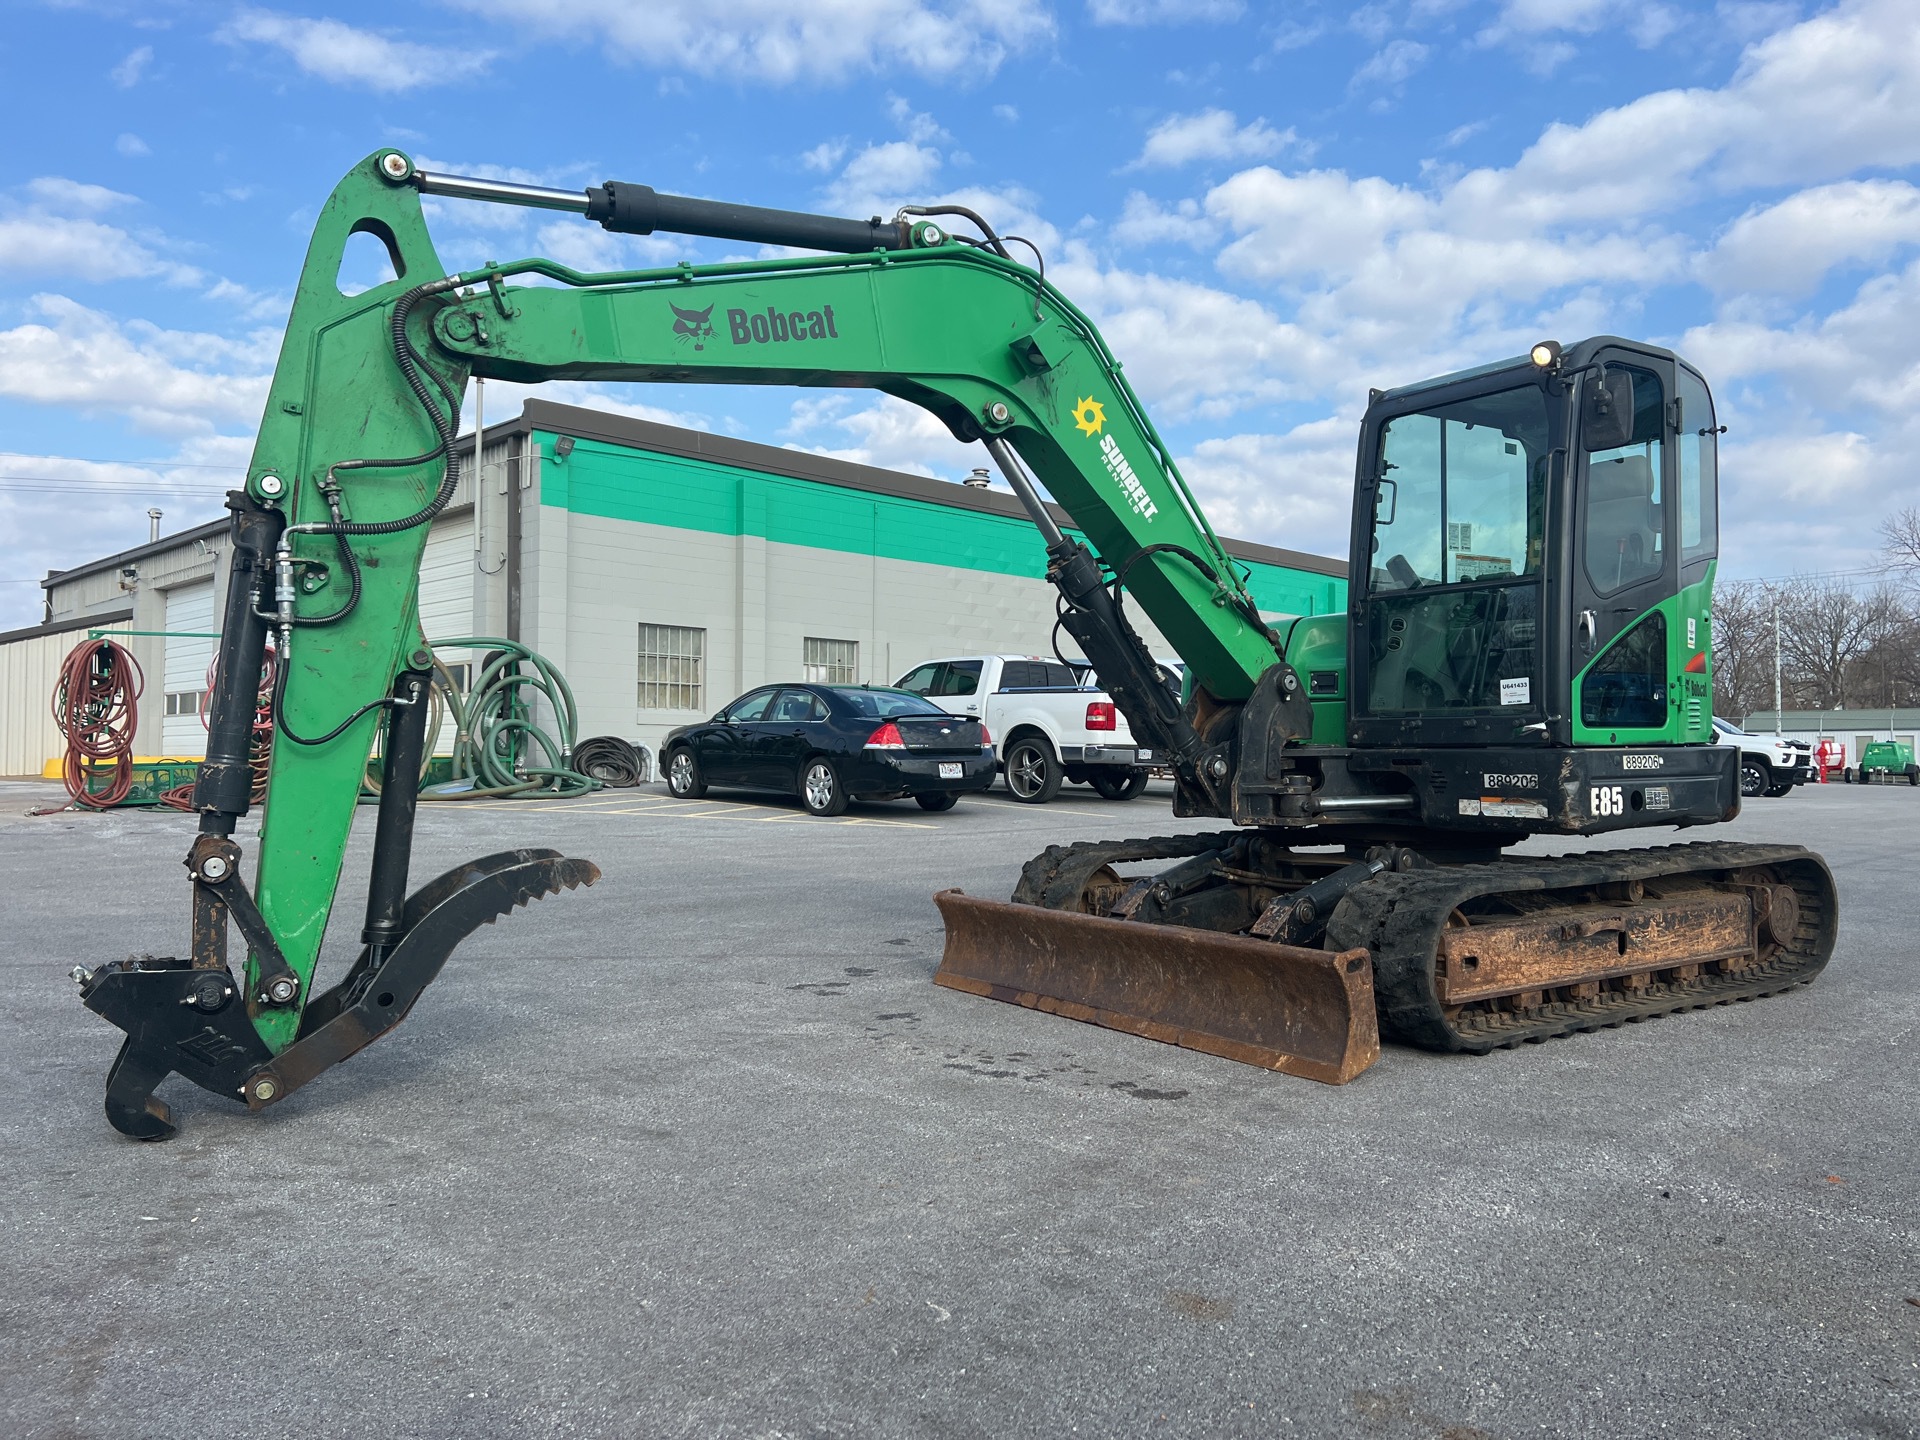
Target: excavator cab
1532 548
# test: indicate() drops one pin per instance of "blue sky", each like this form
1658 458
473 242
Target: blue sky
1267 208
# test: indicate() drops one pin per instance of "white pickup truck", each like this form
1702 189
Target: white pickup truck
1050 727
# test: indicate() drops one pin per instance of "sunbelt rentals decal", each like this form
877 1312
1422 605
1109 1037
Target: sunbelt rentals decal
1090 418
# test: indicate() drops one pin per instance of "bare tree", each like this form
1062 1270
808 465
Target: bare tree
1826 630
1742 629
1900 534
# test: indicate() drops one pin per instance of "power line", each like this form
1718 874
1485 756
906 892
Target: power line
97 460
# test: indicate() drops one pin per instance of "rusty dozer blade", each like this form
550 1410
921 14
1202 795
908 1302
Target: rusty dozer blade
1281 1007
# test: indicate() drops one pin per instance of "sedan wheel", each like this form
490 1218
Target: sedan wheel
1753 779
683 776
1033 773
820 788
945 801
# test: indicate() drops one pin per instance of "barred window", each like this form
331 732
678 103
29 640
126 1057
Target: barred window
831 662
672 667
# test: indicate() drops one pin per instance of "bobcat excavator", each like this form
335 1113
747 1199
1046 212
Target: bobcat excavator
1525 652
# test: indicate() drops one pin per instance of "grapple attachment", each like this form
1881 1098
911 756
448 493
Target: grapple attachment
1281 1007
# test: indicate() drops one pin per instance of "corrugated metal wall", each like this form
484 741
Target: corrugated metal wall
29 669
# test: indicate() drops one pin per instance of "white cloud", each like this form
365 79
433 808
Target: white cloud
1789 247
769 40
588 247
334 51
1291 489
132 146
52 231
164 382
825 155
1210 135
1162 12
1390 67
883 431
128 72
881 178
1142 222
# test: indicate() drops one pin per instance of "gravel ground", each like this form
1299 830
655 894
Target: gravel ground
703 1152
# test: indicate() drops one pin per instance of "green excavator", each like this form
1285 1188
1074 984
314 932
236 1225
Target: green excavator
1525 652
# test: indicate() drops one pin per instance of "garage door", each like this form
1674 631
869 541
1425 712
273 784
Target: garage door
189 610
446 579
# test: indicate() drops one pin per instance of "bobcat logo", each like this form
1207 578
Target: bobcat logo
694 325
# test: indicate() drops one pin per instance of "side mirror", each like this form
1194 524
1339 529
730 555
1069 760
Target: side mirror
1606 417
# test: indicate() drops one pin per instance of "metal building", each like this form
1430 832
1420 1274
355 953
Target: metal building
663 570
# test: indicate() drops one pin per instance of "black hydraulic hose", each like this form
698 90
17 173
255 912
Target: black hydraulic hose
280 712
410 366
994 242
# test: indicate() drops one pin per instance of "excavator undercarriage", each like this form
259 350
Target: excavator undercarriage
1459 955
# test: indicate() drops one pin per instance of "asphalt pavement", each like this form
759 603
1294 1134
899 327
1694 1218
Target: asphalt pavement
703 1152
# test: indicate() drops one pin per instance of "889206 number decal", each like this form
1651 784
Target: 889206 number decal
1606 800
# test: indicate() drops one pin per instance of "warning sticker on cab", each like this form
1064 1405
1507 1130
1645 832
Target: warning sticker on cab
1516 692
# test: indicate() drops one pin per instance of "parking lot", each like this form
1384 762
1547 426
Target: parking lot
703 1152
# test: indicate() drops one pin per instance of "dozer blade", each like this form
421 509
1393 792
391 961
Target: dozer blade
1281 1007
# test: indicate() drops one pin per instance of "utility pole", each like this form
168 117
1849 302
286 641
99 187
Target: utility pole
1776 668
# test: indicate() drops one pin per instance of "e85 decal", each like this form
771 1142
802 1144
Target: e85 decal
1606 800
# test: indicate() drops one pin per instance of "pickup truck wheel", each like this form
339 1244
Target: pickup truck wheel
1754 779
1774 792
820 789
683 776
1117 784
1033 771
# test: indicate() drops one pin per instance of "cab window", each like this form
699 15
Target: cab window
1699 466
1625 504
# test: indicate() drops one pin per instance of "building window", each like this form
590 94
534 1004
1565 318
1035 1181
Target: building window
831 662
672 667
185 702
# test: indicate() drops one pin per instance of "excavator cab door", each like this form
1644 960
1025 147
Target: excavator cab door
1632 635
1451 545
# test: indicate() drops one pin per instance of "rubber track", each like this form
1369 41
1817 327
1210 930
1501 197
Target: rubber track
1056 876
1398 917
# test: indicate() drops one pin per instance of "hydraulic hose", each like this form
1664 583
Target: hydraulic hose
96 704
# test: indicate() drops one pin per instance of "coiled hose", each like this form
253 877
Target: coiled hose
495 736
96 704
613 761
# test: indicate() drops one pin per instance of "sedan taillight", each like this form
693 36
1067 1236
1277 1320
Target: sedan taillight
887 737
986 737
1102 716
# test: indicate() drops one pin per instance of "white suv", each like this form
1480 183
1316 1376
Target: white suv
1768 765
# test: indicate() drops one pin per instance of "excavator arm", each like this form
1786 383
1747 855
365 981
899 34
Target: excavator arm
353 462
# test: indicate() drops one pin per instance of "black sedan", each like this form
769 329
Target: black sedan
829 744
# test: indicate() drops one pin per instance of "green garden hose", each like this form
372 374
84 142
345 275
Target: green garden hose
495 738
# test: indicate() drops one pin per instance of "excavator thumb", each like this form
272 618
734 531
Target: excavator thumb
189 1019
1281 1007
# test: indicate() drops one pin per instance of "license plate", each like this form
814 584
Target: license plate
1143 754
950 770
